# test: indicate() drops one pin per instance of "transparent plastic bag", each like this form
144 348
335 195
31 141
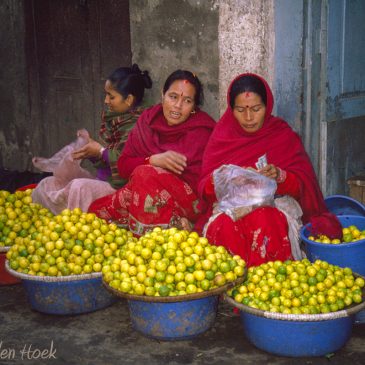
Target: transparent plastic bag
53 191
239 190
61 164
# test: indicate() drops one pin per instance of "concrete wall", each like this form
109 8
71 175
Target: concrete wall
216 39
15 132
167 35
246 41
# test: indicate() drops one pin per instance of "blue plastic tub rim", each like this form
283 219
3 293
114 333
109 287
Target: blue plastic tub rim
353 206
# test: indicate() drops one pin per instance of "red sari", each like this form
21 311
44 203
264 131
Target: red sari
262 235
154 196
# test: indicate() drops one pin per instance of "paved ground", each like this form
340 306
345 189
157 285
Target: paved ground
106 337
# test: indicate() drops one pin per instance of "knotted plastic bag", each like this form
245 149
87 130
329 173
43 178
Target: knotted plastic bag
239 190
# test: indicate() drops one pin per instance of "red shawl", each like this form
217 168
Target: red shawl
230 144
152 135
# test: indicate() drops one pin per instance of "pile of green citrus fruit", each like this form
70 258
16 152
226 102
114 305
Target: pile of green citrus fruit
70 243
18 216
170 262
349 234
299 287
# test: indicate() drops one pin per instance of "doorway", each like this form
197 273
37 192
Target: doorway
71 48
334 91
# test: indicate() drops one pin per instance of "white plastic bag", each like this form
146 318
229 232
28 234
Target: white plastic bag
61 164
240 190
293 213
56 192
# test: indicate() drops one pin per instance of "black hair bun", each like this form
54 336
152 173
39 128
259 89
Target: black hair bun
135 69
147 80
145 76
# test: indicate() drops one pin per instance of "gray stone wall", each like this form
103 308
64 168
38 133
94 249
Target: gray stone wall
167 35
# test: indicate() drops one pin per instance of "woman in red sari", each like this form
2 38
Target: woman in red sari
162 160
248 136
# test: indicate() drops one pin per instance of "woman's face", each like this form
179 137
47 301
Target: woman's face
115 101
249 110
178 102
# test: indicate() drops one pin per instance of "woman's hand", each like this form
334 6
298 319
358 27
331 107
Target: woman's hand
270 171
169 160
91 149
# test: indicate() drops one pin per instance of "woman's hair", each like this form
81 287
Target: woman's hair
130 80
247 83
189 76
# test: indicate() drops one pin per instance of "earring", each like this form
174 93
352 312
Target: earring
193 112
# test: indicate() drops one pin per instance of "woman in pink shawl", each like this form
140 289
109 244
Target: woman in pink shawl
249 136
162 160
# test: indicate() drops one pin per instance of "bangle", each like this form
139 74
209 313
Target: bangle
147 161
281 177
101 151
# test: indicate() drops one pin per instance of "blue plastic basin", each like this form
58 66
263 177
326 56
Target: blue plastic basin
350 254
68 297
173 321
297 338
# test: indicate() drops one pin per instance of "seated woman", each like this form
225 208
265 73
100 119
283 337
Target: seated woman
247 135
124 91
162 160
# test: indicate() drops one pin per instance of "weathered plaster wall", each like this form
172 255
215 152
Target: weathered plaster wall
167 35
246 41
15 133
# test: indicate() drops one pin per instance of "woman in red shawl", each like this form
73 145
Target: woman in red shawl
248 136
162 160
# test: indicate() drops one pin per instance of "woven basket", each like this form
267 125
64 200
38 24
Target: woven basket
353 309
177 298
51 278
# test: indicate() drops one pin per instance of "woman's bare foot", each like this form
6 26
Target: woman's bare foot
185 224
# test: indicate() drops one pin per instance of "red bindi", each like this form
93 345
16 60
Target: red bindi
186 81
247 94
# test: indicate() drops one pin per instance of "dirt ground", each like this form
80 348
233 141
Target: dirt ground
107 337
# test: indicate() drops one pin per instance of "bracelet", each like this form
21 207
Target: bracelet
282 176
101 151
147 161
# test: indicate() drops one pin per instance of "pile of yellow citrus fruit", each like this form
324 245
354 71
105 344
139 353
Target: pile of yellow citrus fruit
18 216
299 287
70 243
349 234
170 262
